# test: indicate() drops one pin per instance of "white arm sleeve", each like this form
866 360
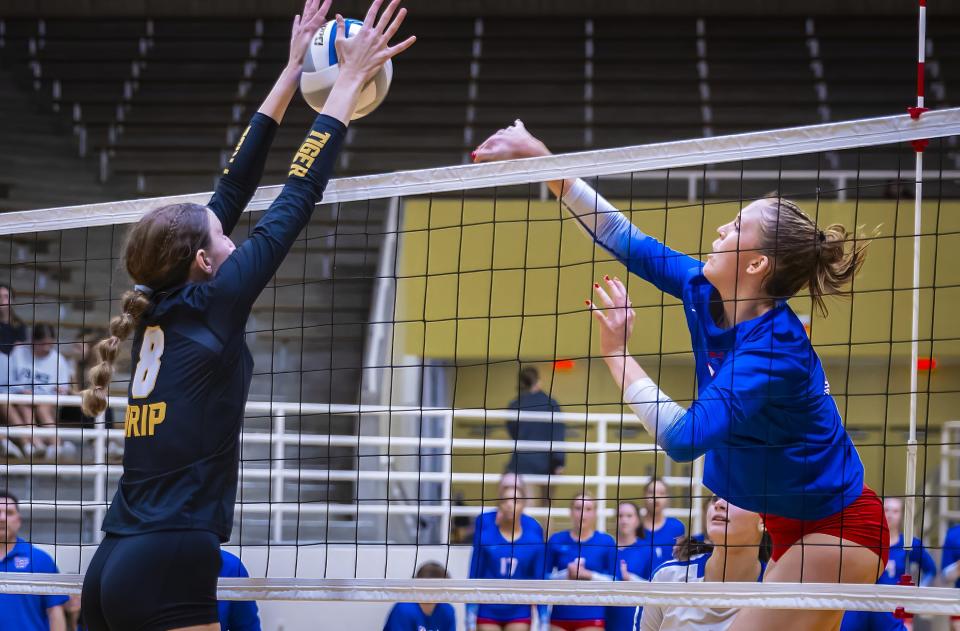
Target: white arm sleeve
558 574
655 409
589 207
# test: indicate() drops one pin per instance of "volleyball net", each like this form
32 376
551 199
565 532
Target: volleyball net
388 346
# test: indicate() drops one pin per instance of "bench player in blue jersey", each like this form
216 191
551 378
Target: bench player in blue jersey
921 566
661 531
772 435
633 562
581 553
423 616
156 569
507 544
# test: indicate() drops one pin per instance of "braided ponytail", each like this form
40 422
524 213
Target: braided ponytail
134 304
158 253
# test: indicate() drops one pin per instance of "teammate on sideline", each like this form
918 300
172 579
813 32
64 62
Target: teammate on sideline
633 562
920 560
581 553
736 554
507 544
661 531
772 434
156 569
423 616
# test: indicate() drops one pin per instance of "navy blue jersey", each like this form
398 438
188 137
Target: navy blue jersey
638 559
536 462
600 554
496 557
772 434
919 559
192 366
659 543
411 617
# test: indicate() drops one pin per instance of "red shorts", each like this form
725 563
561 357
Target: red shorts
502 623
576 625
862 522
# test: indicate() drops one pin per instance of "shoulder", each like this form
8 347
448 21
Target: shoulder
604 538
676 525
446 610
678 571
532 526
559 538
230 565
953 535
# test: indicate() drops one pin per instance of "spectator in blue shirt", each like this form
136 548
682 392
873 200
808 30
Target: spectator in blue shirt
423 616
920 562
21 611
236 615
532 398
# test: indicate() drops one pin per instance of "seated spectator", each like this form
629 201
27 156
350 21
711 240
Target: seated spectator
12 329
950 564
581 553
82 355
532 398
661 532
506 545
39 368
738 552
236 615
920 560
24 612
633 562
423 616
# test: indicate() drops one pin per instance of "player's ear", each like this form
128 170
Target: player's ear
759 264
203 262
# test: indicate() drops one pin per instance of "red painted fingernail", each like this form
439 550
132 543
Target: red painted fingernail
597 285
586 302
606 278
473 155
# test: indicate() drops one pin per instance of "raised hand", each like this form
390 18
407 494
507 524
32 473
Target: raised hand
509 143
365 52
304 26
615 315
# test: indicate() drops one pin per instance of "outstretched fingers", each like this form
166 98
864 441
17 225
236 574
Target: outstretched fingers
370 19
387 15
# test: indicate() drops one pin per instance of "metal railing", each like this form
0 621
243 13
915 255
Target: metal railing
281 469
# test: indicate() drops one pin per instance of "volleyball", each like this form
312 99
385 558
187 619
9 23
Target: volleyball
320 71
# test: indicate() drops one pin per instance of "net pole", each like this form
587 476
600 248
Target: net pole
909 504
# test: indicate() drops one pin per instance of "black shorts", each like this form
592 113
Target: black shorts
152 582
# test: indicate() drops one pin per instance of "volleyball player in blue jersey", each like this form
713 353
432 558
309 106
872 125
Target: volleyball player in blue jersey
633 562
507 545
156 569
581 553
772 435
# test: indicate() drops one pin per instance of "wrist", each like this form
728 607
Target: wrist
349 77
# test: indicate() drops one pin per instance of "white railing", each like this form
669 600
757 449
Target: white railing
841 178
281 470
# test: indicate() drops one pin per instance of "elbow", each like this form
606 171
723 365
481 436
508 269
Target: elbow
678 450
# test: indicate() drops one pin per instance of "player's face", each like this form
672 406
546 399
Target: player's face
583 511
510 504
4 297
735 249
43 346
731 525
657 499
893 509
9 520
220 245
627 520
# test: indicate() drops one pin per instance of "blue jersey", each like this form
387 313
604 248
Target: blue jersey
772 434
897 566
236 615
637 557
25 612
951 550
192 367
600 554
495 557
660 542
411 617
871 621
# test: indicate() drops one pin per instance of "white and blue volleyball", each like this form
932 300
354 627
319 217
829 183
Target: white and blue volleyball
320 70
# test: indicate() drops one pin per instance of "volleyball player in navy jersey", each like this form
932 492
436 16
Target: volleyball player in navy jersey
772 435
662 532
581 553
508 546
156 569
